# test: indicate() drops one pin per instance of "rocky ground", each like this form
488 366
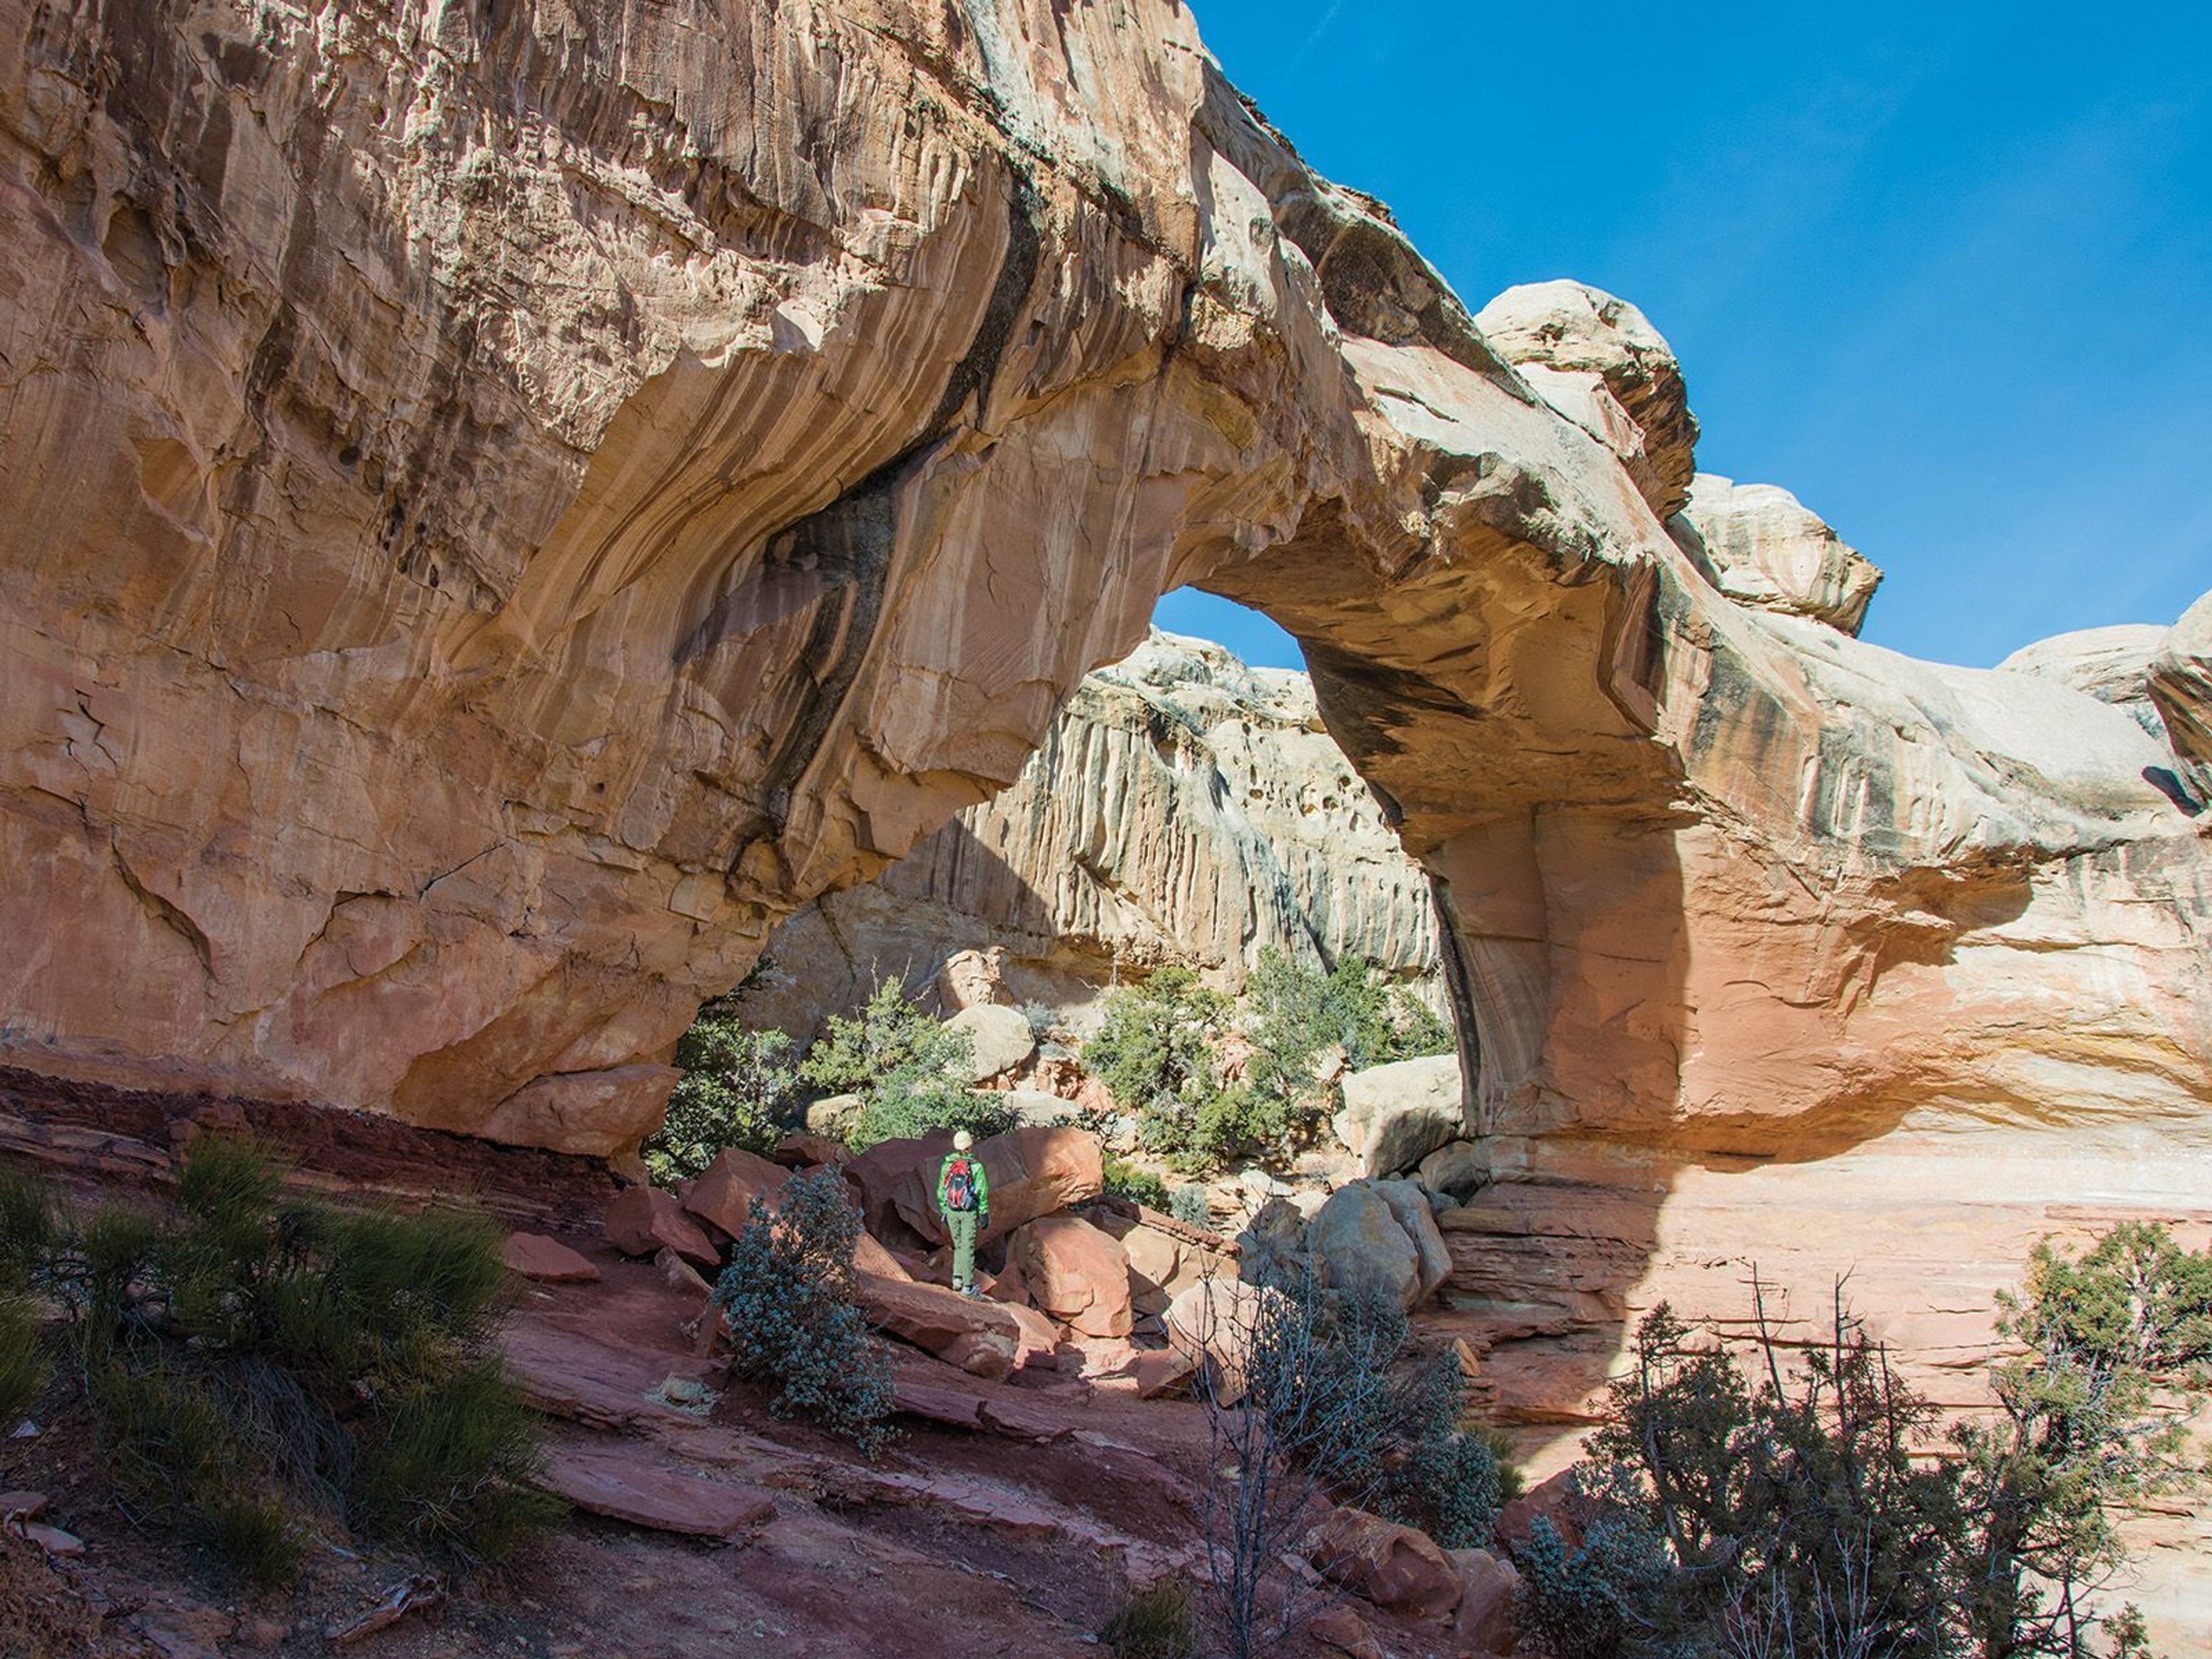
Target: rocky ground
1007 1519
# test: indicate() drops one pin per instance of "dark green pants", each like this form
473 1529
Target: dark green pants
961 1224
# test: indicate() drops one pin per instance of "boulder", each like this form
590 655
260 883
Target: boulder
680 1275
2181 687
1032 1172
1395 1567
1379 1239
1212 1324
1165 1256
1409 1203
831 1116
1395 1115
1556 1499
1489 1593
1000 1037
1272 1247
983 1338
1340 1628
1761 546
1574 330
722 1197
1458 1169
644 1220
801 1150
974 979
1075 1272
1036 1109
548 1261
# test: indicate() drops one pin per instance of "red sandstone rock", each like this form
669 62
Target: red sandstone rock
722 1197
983 1337
1076 1272
1345 1631
1555 1499
1395 1567
643 1220
680 1275
546 1260
1489 1588
797 1151
869 1256
625 1480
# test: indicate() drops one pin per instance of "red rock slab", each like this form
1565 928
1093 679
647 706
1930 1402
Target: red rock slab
1395 1567
644 1220
722 1197
626 1482
964 1329
1489 1593
569 1377
1345 1631
1016 1417
546 1260
22 1506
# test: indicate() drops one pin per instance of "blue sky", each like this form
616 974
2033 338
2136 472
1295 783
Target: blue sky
1943 270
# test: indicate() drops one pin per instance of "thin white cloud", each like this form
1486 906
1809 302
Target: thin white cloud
1320 29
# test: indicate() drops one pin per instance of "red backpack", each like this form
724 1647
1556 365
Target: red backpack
960 1185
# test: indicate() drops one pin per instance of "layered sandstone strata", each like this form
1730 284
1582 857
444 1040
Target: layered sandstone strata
1184 808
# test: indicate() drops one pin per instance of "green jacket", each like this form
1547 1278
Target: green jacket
982 1182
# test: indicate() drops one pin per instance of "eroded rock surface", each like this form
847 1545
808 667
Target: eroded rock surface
1763 547
1184 808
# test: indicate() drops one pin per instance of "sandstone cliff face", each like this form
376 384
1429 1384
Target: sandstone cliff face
510 503
1183 807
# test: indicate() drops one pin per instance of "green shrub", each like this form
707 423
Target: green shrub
1296 1012
258 1368
1153 1624
1188 1205
1399 1448
1443 1478
22 1360
739 1088
26 1237
1138 1186
1589 1602
787 1293
1805 1503
1155 1050
909 1068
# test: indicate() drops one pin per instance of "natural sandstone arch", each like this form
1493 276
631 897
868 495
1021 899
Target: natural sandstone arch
509 501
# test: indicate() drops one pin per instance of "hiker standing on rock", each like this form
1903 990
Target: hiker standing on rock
963 1199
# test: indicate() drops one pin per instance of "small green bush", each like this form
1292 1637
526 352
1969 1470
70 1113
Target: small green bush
739 1088
909 1069
1153 1624
1188 1205
787 1293
1125 1180
1296 1012
1589 1602
259 1367
22 1361
26 1234
1155 1050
